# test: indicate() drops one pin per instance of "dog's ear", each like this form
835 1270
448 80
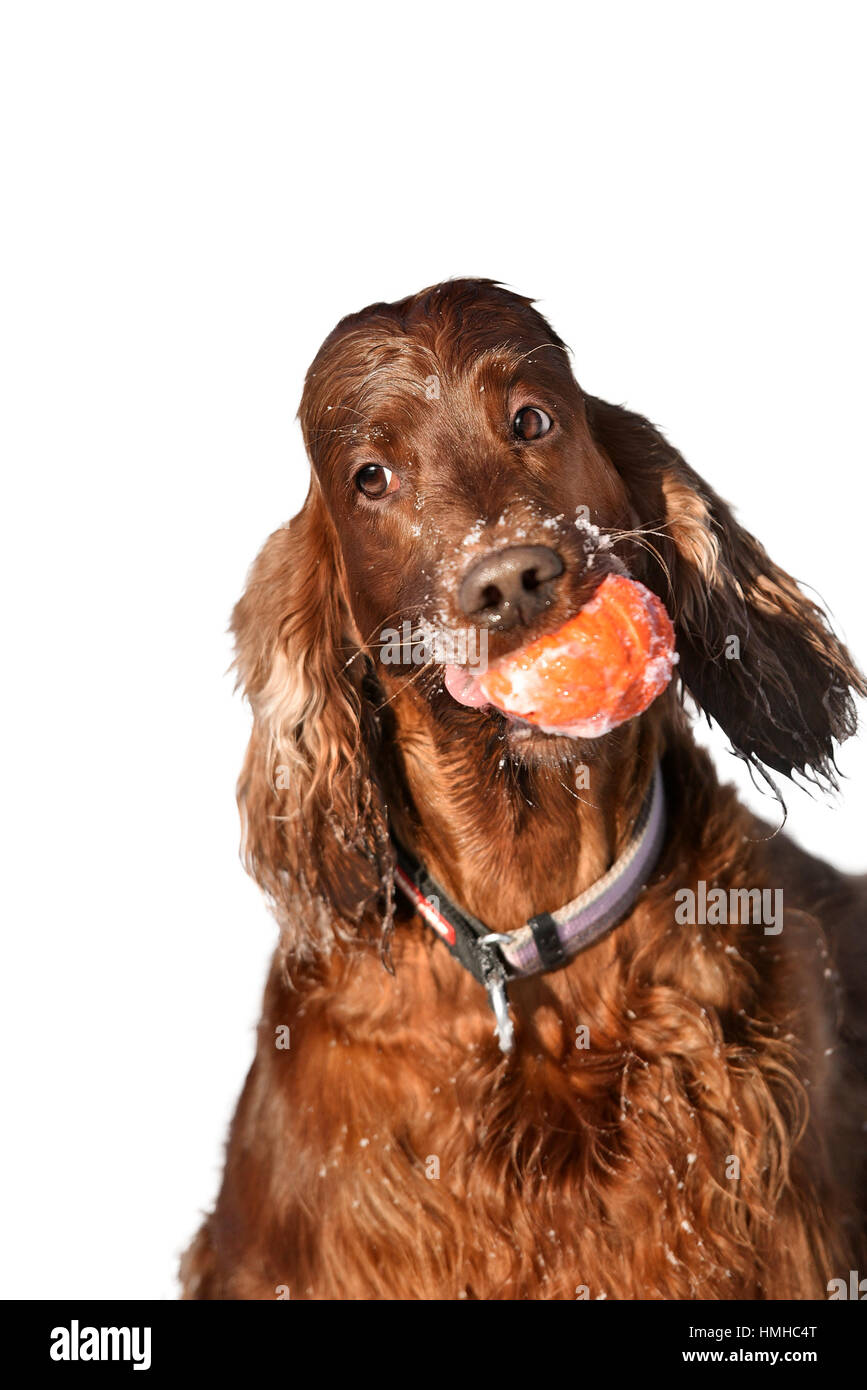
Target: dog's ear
313 822
755 653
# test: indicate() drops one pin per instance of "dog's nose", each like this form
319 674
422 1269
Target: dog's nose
510 586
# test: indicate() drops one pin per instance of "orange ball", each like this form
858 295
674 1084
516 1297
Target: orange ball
606 665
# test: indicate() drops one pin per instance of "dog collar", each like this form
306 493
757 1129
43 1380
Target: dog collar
551 939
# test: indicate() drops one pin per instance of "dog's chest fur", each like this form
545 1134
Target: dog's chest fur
392 1152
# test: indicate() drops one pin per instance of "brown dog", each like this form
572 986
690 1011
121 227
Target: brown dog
680 1113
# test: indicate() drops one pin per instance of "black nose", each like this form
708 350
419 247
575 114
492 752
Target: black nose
510 586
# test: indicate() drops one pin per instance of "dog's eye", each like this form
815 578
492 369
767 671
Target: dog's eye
531 423
375 481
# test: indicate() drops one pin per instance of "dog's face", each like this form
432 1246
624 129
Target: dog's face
469 497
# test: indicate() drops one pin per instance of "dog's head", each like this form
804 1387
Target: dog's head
466 497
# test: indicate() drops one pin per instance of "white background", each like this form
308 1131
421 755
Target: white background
193 195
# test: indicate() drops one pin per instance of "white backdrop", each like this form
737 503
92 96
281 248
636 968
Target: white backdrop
194 194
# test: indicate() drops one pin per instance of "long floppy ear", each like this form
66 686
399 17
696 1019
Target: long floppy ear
313 822
755 653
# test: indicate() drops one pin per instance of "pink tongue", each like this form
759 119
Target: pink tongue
464 687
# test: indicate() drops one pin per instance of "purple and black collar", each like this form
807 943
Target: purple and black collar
550 940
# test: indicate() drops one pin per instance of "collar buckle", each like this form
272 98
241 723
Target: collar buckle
495 983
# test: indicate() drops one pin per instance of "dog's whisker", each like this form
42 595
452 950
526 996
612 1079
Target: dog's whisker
423 669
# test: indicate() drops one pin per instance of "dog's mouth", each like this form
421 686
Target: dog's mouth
465 687
602 667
